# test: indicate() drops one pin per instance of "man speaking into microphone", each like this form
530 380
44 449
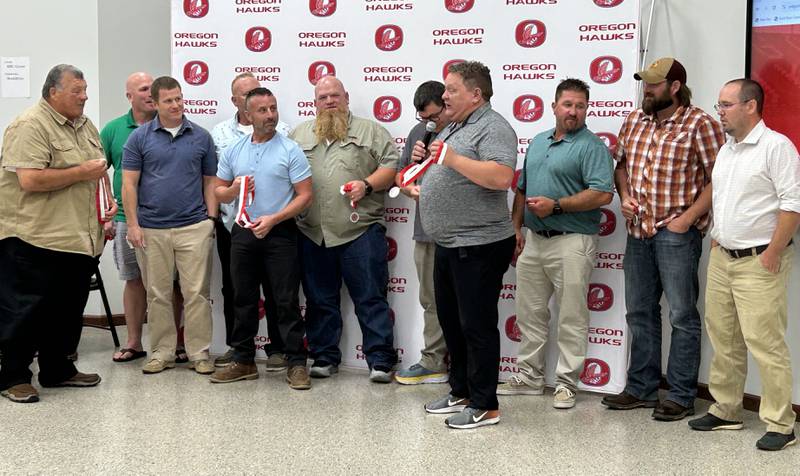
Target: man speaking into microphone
464 208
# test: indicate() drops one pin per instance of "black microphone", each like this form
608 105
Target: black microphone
430 133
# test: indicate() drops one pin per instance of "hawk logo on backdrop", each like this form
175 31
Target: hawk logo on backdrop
459 6
605 69
528 108
195 73
600 297
392 316
391 249
596 373
258 39
515 182
389 37
195 8
608 222
608 3
530 33
445 69
610 140
387 109
512 329
319 69
262 311
322 8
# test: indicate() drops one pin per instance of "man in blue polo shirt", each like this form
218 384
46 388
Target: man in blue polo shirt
567 177
264 244
168 173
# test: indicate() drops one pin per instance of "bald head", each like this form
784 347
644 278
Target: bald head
329 93
137 90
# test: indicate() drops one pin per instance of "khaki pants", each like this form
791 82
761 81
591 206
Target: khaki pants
188 249
435 348
562 264
746 310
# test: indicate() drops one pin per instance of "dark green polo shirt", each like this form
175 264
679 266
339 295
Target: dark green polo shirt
113 136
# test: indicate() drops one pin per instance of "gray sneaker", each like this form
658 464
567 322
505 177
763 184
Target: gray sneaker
323 371
473 418
225 360
447 404
277 363
378 375
516 386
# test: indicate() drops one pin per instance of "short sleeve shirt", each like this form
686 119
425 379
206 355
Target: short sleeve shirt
113 136
417 134
368 146
456 211
60 220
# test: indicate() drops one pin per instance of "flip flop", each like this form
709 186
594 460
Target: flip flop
180 356
135 354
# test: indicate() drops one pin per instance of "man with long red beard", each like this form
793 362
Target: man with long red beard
353 160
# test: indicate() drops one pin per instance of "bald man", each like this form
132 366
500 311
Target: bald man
113 136
342 235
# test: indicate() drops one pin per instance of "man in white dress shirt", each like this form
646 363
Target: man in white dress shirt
756 203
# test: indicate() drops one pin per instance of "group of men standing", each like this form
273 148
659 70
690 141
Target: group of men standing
307 206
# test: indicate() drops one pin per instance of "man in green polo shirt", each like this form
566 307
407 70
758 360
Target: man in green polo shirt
113 136
567 177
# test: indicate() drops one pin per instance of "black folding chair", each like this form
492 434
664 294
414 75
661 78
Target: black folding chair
97 285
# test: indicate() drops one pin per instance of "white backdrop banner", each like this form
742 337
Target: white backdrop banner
383 49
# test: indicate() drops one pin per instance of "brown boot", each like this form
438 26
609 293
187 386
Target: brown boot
298 378
234 372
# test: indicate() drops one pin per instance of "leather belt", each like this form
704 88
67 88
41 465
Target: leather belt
551 233
754 251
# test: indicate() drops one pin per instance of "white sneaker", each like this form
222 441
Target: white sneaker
515 386
563 397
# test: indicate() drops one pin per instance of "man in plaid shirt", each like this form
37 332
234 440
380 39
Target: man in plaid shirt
664 159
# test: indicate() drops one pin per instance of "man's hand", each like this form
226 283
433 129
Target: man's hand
419 153
630 208
263 225
770 261
112 211
236 185
355 190
448 155
109 230
520 236
412 191
540 206
679 224
93 169
136 237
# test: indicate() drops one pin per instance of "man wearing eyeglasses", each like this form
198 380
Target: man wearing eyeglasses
756 204
431 367
665 155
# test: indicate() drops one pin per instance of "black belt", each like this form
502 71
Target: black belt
551 233
755 251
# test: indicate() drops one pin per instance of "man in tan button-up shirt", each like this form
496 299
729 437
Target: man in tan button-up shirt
50 235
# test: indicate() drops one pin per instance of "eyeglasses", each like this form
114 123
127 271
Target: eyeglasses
719 107
432 117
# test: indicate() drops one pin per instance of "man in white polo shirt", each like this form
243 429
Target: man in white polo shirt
756 203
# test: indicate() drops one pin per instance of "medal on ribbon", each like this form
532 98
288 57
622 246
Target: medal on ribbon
347 188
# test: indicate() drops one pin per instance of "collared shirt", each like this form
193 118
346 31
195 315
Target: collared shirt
560 168
368 146
753 180
417 133
60 220
113 136
224 134
666 163
276 165
172 169
455 210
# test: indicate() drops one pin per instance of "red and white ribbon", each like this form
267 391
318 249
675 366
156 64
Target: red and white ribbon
413 171
245 200
103 201
344 190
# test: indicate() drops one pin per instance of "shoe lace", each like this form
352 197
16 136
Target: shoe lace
564 390
516 381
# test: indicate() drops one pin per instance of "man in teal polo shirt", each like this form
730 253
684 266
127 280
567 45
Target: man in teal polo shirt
113 136
567 177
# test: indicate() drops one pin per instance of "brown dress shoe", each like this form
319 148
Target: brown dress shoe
77 380
21 393
234 372
626 401
298 378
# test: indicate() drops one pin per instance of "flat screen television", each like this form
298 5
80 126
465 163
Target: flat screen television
773 59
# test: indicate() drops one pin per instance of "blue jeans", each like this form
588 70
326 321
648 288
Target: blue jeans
362 263
666 263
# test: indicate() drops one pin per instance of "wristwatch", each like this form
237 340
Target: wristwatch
367 187
557 210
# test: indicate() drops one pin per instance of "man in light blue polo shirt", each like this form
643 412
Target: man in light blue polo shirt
567 177
264 244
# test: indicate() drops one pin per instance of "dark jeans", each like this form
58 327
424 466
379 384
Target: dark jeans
467 282
42 297
271 263
363 266
666 263
275 344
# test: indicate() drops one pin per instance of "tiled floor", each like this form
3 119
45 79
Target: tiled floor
178 423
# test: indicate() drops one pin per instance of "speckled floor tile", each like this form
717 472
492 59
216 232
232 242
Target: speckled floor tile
177 422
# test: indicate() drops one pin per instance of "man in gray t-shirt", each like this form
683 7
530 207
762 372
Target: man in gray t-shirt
431 367
464 207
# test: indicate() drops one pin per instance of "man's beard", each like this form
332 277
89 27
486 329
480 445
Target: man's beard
654 104
331 125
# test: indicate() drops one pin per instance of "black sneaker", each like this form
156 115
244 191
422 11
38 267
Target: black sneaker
711 422
626 401
774 441
671 411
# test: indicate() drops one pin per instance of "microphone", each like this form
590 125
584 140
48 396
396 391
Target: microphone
430 128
